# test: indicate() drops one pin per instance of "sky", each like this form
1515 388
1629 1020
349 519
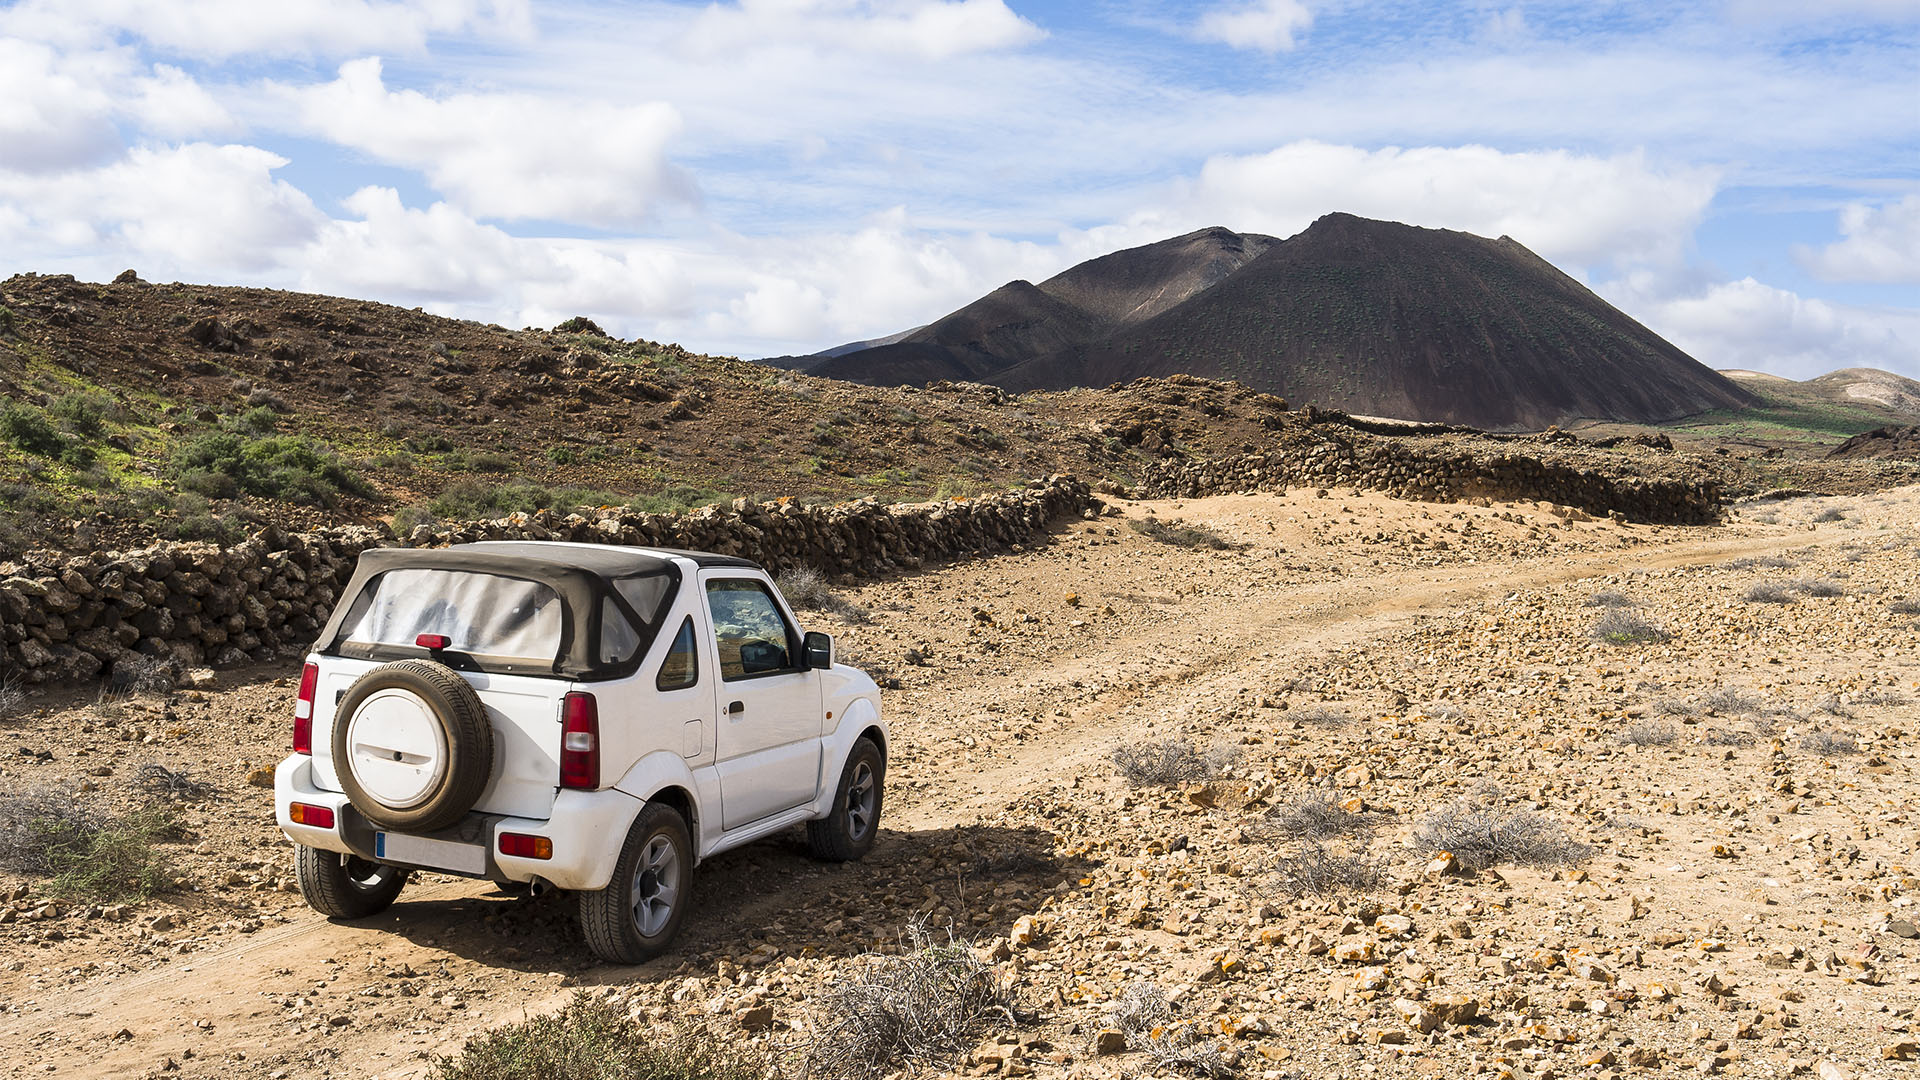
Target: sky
761 177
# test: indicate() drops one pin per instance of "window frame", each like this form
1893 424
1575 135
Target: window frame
795 661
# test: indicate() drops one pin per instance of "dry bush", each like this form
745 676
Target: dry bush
1316 871
1768 592
13 694
1621 627
1763 562
88 851
1325 716
1831 513
927 1005
1609 598
1830 743
1482 838
1648 734
1166 762
1732 701
1817 587
1880 697
1674 707
145 675
594 1039
1833 706
157 779
1728 737
807 588
1145 1016
1309 817
1905 607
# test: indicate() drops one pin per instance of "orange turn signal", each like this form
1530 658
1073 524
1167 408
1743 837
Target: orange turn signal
524 846
318 817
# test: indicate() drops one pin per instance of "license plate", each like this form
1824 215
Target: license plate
440 854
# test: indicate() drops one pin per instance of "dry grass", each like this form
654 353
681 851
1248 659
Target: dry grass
1309 817
925 1006
13 693
1482 838
1905 607
1621 627
1728 737
1645 733
1830 743
1145 1016
1182 534
146 675
806 588
1315 871
593 1039
86 851
1609 598
1733 701
1768 592
1324 716
1817 587
1166 762
157 779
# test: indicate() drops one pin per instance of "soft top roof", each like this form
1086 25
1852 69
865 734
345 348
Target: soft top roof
608 559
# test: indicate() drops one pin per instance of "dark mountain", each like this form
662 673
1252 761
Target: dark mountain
1021 321
1370 317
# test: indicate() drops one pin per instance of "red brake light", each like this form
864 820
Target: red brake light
303 710
318 817
433 642
580 742
525 846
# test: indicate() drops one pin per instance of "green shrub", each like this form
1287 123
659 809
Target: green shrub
491 463
677 499
592 1039
29 429
256 421
84 413
580 324
561 455
87 851
290 468
430 444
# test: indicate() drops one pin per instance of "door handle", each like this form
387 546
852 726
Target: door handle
735 708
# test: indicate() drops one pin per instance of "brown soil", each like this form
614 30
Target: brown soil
1741 910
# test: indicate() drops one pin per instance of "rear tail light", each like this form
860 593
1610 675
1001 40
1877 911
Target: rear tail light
303 713
318 817
580 742
525 846
433 642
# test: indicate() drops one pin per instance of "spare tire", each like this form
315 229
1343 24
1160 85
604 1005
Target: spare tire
412 746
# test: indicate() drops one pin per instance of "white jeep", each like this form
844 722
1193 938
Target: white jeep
578 716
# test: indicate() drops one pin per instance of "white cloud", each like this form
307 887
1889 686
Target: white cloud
171 105
933 29
1882 244
194 209
54 115
1747 324
225 28
507 156
1567 207
1266 25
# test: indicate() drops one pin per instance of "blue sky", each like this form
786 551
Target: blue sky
765 176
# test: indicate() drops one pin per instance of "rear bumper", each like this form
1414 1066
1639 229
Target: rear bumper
587 829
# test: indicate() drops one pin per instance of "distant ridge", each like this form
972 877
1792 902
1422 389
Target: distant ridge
1370 317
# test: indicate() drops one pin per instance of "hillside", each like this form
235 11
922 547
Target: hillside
1366 316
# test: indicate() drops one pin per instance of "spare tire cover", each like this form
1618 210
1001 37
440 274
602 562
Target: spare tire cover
412 746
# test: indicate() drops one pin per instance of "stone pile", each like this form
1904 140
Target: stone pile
73 618
1439 474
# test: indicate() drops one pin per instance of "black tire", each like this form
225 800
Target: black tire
468 736
853 821
345 886
636 916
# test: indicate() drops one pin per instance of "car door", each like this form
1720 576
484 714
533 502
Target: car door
767 705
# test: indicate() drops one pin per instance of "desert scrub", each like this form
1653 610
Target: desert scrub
1482 838
1181 534
1768 592
593 1039
1817 587
29 429
1166 762
807 588
928 1004
1905 607
1830 743
87 851
1316 871
1143 1015
1648 734
1609 598
1309 817
13 693
289 468
1322 716
84 413
1621 627
1732 701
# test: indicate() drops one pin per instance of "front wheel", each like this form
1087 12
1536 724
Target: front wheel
345 886
635 917
853 819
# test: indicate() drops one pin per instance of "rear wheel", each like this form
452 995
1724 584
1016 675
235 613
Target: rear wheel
853 821
346 886
636 916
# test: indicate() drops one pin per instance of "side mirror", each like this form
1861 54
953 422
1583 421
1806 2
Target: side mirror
818 650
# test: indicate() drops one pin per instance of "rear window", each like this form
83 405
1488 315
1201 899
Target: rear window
482 614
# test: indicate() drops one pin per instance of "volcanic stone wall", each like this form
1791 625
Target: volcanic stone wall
73 618
1437 474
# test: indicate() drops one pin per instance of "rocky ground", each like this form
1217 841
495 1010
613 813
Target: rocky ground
1722 878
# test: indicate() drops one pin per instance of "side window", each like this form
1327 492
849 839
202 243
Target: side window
681 668
618 638
752 635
